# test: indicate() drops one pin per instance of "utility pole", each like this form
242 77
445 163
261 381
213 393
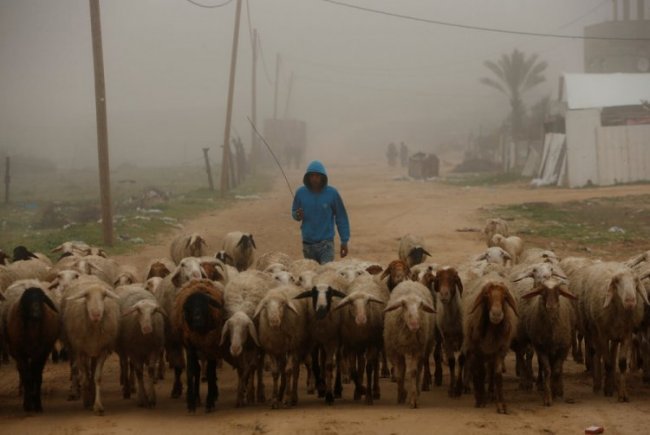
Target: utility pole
207 167
102 129
255 152
286 107
7 178
226 157
277 81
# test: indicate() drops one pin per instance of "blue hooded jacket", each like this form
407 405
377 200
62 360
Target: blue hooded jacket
321 210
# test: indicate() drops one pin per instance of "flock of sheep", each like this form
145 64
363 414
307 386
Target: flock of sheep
346 321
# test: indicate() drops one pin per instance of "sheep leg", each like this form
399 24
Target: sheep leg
241 383
142 394
525 368
437 360
26 381
275 373
193 379
338 387
385 369
540 377
490 376
175 355
75 388
478 373
38 364
346 365
451 362
161 366
83 365
426 377
458 387
498 385
545 372
151 380
329 378
132 376
98 407
576 348
282 363
295 368
557 383
400 369
261 397
622 368
318 361
376 389
412 370
124 378
358 370
310 375
213 388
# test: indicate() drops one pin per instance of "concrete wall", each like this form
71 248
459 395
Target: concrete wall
623 154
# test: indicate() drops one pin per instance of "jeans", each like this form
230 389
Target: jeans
321 252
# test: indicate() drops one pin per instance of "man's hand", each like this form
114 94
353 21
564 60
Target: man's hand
344 250
300 213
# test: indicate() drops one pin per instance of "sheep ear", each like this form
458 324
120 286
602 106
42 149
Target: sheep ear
292 307
259 308
374 269
202 241
253 241
511 301
54 284
338 294
82 294
162 312
428 308
477 302
505 255
176 277
2 297
637 260
215 303
303 295
641 289
482 257
560 276
57 249
424 251
564 291
610 292
224 333
534 292
385 273
645 275
522 276
130 311
252 331
459 285
50 304
111 294
375 299
345 301
395 305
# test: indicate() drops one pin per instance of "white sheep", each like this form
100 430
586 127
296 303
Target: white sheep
27 269
187 245
140 341
239 246
412 250
90 314
408 330
282 332
273 257
538 255
362 325
495 226
242 296
158 267
513 245
297 267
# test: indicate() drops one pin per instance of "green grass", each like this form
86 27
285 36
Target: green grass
485 179
585 222
41 213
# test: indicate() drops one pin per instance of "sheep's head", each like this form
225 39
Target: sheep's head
417 254
124 278
358 300
321 297
246 242
32 303
213 270
197 312
145 310
189 268
634 262
275 306
412 307
63 279
237 329
397 272
541 272
4 259
195 244
275 267
21 253
158 269
349 273
152 284
94 296
447 283
493 298
495 255
625 287
282 277
225 258
550 291
306 279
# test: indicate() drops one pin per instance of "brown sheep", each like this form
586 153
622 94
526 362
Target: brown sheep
200 315
396 272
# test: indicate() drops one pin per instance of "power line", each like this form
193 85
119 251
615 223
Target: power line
478 28
195 3
586 14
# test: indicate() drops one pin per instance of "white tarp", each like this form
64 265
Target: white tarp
585 91
553 160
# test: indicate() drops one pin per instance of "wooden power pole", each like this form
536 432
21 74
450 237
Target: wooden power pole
255 152
277 81
286 107
207 167
102 130
226 158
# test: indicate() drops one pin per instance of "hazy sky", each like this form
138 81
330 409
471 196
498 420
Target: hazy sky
362 80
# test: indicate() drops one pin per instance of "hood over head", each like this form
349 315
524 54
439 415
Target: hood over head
317 167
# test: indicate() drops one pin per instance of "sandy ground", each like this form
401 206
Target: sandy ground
381 210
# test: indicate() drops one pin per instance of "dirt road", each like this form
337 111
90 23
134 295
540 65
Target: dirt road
381 210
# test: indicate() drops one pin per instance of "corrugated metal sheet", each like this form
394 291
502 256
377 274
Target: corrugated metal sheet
585 91
582 163
623 154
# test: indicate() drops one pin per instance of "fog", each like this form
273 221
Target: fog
361 79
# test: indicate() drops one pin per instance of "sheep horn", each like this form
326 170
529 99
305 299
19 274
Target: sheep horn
637 260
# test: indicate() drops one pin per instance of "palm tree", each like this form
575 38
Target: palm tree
515 75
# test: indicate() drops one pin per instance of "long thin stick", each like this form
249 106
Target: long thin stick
273 154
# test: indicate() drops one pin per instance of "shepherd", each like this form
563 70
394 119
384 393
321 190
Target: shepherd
318 206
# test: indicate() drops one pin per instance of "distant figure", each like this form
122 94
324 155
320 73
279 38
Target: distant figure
240 159
403 154
391 155
319 206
